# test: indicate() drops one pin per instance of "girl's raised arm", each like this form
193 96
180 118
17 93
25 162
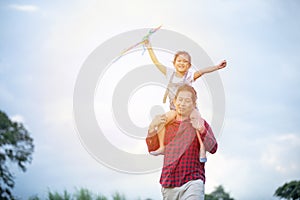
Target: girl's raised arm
154 59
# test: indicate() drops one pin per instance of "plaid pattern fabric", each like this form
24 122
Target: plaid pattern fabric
181 159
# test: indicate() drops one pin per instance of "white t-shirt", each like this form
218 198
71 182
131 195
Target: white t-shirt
176 82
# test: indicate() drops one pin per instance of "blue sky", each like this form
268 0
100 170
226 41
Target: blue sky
44 44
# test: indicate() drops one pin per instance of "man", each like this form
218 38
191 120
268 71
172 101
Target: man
183 175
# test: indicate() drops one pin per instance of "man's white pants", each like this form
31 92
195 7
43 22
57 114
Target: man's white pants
192 190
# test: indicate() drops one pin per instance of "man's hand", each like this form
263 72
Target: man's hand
197 121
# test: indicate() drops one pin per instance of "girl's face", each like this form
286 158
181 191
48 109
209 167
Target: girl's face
182 63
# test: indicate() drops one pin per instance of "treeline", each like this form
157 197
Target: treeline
81 194
85 194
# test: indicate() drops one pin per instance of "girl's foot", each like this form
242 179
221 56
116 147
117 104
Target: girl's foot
202 155
158 152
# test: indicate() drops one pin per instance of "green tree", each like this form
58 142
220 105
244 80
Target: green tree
16 147
81 194
57 196
101 197
84 194
118 196
290 190
218 194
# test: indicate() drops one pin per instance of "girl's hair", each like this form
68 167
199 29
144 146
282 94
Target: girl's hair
188 88
178 53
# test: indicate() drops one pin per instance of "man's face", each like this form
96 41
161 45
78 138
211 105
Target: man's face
184 103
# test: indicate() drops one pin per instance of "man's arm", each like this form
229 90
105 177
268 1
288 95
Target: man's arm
152 137
199 73
154 59
207 136
209 139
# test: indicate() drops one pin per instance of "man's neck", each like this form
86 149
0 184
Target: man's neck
181 118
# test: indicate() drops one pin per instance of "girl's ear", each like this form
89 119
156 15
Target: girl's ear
174 101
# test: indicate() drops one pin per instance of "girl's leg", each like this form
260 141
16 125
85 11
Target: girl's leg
195 115
203 158
161 134
170 115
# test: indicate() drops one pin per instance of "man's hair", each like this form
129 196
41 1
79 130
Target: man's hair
178 53
188 88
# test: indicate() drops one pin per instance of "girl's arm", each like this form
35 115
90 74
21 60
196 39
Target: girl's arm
154 59
209 69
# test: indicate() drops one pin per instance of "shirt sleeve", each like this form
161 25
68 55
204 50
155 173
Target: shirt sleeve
152 141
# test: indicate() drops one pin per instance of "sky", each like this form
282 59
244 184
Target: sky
44 45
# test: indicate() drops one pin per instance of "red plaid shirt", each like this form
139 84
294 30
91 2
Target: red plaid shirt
181 159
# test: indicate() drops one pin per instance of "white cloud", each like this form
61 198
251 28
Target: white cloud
18 118
280 154
24 8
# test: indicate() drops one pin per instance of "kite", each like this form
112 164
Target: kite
146 37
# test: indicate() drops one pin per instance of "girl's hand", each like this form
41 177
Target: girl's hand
222 64
147 42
